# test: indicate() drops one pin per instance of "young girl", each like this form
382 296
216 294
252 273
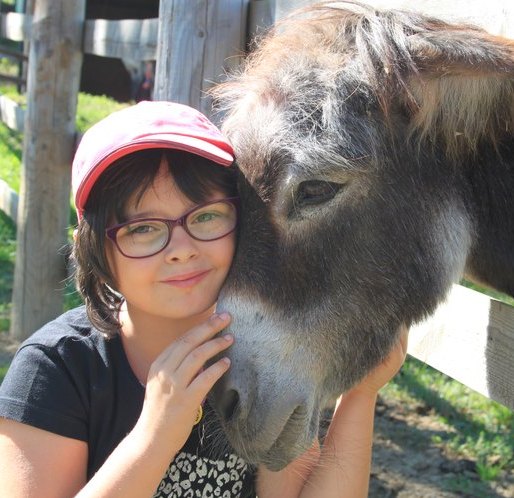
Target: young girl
108 400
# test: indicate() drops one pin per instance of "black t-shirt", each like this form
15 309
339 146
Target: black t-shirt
68 379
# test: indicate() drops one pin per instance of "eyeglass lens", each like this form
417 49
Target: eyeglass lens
147 237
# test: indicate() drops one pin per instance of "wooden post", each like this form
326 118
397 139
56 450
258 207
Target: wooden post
49 135
198 41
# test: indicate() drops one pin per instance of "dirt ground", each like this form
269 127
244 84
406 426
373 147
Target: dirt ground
406 463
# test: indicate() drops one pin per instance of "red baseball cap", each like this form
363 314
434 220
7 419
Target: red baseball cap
145 125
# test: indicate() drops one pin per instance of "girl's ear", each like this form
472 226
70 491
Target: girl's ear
75 232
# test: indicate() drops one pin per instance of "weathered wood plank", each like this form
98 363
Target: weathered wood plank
14 26
12 79
134 39
49 135
11 114
15 54
198 42
471 339
128 38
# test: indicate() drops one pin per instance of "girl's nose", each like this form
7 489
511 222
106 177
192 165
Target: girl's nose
181 246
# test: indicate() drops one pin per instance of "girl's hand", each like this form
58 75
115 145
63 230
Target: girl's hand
384 372
177 384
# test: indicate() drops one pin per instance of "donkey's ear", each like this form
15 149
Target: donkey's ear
442 45
463 92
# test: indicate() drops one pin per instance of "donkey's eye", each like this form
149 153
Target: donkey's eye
314 192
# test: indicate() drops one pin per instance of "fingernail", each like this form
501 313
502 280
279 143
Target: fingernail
228 337
226 361
224 315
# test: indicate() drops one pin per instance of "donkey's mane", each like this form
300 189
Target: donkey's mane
422 63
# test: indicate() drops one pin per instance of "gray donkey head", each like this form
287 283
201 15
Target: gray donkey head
375 151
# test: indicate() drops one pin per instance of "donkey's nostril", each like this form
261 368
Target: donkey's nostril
228 404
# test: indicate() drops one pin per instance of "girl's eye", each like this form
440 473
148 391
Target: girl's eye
139 229
204 217
143 228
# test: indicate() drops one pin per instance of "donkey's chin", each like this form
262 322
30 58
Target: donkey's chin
281 454
282 446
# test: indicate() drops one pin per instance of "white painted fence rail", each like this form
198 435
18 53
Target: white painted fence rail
8 200
127 38
11 113
471 339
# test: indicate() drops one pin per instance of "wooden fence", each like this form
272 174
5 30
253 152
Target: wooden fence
470 337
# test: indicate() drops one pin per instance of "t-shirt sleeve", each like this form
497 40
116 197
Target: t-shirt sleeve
40 389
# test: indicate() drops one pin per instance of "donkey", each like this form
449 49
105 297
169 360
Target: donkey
376 152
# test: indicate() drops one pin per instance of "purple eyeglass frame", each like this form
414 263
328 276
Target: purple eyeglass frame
111 232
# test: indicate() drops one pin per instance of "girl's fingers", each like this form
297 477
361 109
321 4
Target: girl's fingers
206 379
203 381
184 359
175 353
197 358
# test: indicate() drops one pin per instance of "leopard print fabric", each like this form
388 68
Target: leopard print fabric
190 476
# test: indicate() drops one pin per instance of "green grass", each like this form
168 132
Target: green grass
7 254
7 67
11 145
93 108
478 428
3 371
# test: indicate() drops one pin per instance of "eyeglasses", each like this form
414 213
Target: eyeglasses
142 238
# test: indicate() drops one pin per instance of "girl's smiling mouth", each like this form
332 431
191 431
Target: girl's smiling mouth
186 279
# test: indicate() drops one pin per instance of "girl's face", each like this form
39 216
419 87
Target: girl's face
184 279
